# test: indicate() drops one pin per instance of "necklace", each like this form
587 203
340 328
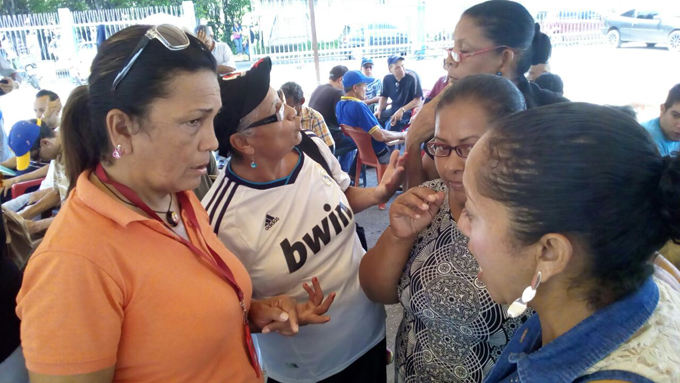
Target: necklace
170 216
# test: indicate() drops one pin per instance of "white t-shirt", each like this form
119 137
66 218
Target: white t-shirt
223 55
56 179
48 182
285 232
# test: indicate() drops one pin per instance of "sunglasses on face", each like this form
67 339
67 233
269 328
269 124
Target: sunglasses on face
439 149
172 37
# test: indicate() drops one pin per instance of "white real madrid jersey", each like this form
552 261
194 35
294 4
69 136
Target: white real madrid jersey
286 232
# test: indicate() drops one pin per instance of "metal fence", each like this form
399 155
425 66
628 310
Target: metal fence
353 28
29 38
91 25
67 41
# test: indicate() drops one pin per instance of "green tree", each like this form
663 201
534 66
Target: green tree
231 11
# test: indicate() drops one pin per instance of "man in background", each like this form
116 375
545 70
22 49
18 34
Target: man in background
326 96
310 119
352 111
374 88
47 106
665 129
221 51
404 89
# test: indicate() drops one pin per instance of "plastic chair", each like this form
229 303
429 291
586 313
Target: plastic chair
22 188
366 155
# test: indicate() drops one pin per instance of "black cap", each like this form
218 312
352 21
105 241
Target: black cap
241 93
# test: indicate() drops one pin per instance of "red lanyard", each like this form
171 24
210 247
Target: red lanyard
219 262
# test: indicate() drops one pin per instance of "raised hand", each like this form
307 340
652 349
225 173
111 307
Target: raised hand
412 211
393 177
312 312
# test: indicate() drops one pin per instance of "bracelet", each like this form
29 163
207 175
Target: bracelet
402 110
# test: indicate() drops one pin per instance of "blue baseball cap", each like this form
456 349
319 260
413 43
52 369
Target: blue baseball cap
21 139
394 59
355 77
365 61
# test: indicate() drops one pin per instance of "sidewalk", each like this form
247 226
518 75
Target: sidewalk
374 222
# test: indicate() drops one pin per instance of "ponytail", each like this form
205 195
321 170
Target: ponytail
84 143
85 137
541 48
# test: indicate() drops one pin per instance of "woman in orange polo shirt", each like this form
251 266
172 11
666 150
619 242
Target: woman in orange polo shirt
130 283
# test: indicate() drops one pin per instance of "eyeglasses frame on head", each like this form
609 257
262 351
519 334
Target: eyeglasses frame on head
151 34
432 145
279 115
458 56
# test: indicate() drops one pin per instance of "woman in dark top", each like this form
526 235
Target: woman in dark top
494 37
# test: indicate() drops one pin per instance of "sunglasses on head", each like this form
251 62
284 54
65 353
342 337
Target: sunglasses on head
172 37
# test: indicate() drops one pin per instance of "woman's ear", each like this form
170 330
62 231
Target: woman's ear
120 128
240 143
554 254
507 62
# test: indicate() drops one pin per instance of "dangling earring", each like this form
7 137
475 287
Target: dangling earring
253 164
499 73
117 153
520 304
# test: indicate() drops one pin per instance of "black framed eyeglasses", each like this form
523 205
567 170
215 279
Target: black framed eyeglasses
172 37
279 115
439 149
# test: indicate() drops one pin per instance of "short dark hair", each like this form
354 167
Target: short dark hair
605 187
509 23
293 91
349 89
551 82
45 132
337 72
53 96
673 96
498 95
85 138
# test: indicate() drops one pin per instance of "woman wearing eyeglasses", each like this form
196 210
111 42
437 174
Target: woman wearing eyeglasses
451 330
130 283
285 208
494 37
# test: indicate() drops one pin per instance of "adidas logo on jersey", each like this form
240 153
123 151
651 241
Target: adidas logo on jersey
339 218
269 221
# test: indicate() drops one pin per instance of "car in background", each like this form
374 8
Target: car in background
570 26
651 27
378 38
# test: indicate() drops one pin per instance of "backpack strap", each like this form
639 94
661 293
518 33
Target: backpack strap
309 147
625 376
